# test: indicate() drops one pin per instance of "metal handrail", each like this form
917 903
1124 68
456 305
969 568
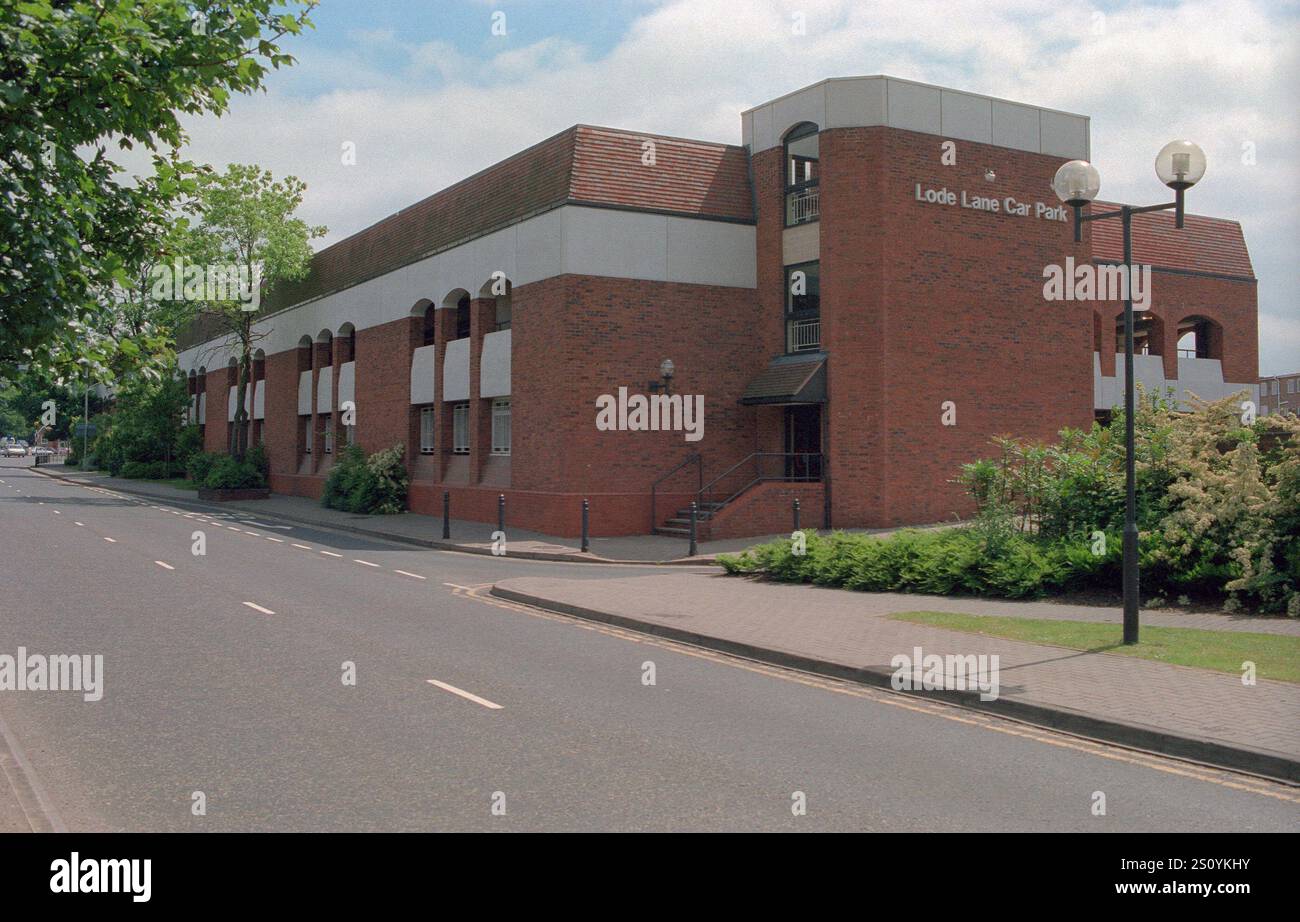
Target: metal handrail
756 457
695 458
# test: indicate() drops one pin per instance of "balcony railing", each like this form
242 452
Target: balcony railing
802 206
804 335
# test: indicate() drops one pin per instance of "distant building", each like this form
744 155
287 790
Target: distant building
1280 393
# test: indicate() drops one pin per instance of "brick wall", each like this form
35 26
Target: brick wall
768 509
926 303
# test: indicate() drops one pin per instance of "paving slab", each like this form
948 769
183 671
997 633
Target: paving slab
1182 711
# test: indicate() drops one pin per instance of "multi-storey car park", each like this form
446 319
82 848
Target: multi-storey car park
859 313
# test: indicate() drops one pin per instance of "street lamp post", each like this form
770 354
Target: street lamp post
1180 165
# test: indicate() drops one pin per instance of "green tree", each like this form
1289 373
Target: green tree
247 222
75 77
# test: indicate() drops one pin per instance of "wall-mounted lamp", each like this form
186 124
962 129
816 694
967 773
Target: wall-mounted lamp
666 370
989 175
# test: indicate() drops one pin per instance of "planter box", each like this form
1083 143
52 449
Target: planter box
222 496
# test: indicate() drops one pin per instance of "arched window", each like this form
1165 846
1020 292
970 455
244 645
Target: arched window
1199 338
345 344
462 317
802 174
430 325
1148 334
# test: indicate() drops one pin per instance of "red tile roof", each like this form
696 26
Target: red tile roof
690 177
1203 245
581 165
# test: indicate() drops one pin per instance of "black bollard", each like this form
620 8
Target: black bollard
691 553
501 512
446 514
586 534
796 514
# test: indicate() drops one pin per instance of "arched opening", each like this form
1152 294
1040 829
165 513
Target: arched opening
499 289
201 391
232 410
302 430
802 175
1199 338
462 315
345 344
1148 334
258 400
345 353
323 436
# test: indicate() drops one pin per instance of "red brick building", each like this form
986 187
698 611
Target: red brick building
856 293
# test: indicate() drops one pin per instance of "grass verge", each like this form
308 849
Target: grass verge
1275 656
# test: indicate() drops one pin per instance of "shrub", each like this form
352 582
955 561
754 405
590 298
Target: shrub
189 442
135 470
199 465
387 494
372 486
344 478
1218 515
256 456
229 473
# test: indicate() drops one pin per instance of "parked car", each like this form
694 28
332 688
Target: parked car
42 451
15 449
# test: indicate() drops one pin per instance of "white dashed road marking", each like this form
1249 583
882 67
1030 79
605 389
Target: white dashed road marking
467 695
412 575
331 554
365 562
165 566
256 607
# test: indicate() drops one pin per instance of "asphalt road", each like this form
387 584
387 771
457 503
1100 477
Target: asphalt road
223 675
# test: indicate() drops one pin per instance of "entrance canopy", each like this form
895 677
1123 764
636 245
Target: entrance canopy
789 379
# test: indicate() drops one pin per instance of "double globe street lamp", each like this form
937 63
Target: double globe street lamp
1180 165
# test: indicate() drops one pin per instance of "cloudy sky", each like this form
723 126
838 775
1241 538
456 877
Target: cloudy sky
429 94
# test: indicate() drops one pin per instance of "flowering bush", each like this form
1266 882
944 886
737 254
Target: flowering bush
1218 510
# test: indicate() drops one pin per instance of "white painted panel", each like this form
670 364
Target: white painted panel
855 103
807 105
1064 135
1203 377
193 415
967 117
324 390
764 136
455 370
801 244
347 382
538 247
494 365
914 107
1015 126
259 401
304 393
623 244
712 253
424 385
203 408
